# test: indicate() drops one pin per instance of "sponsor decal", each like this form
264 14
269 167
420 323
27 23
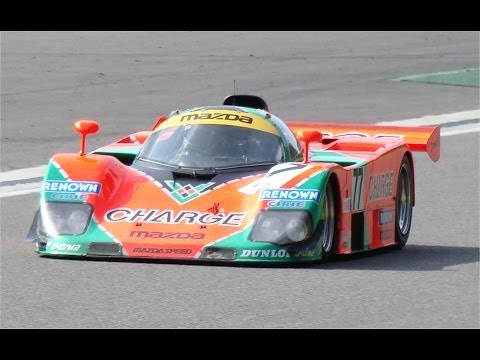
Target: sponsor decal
166 235
217 116
274 254
215 209
185 193
304 253
380 186
220 116
62 247
286 204
386 234
78 187
290 194
67 196
385 217
158 216
148 250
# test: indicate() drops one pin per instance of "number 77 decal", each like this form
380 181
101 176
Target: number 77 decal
358 188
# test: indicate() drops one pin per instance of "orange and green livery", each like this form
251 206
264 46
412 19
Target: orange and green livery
233 183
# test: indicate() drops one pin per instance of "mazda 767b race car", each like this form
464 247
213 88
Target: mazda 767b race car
232 183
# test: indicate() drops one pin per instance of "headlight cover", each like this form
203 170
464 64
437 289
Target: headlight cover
63 218
282 227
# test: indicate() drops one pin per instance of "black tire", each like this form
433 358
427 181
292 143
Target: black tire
403 203
328 232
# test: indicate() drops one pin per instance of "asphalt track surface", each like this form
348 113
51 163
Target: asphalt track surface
125 80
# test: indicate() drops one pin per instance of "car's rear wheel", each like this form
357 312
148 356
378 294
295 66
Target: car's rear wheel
328 234
404 203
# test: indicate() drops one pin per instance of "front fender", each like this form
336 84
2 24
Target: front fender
96 179
297 176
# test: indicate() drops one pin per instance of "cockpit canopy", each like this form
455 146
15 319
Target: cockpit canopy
212 146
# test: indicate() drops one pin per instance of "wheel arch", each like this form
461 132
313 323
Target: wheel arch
409 155
333 179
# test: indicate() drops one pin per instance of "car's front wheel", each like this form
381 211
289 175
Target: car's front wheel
404 203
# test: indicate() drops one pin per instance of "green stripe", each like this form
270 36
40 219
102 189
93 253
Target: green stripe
465 77
334 157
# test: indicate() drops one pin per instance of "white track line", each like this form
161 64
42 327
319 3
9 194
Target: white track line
449 132
35 172
23 174
20 189
436 119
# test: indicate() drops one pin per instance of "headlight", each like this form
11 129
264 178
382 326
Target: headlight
297 230
269 229
63 218
282 227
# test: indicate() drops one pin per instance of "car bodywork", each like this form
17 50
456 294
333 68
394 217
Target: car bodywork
348 190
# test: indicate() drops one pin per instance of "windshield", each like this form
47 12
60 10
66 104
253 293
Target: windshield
212 146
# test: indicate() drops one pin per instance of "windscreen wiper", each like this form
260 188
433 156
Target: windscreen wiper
241 166
195 172
158 163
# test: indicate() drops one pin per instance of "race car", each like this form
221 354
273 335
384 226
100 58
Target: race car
233 183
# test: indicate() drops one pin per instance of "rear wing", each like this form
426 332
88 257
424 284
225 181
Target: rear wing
417 138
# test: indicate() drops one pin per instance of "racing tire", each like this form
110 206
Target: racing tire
403 203
328 233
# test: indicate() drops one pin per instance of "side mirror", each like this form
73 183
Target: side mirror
308 136
84 128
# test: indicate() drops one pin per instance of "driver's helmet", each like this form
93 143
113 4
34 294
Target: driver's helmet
225 140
